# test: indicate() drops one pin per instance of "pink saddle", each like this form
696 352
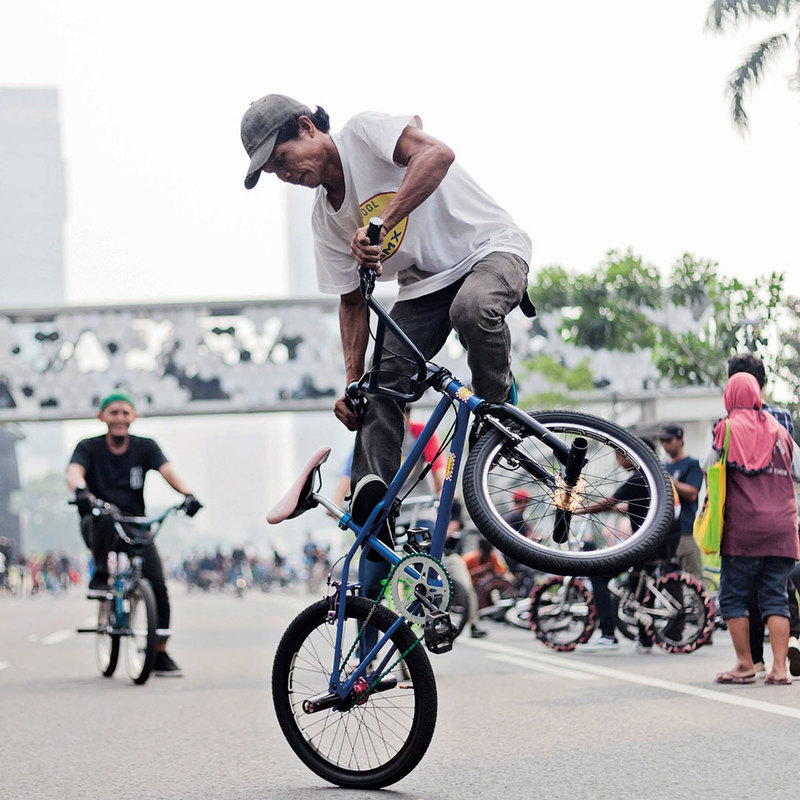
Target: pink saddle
299 498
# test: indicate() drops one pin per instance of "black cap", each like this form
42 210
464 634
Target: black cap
669 430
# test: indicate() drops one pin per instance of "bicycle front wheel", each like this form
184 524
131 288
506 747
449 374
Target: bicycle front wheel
369 743
106 644
560 523
140 649
681 613
562 617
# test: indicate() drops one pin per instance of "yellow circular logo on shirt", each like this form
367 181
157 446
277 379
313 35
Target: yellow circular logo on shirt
373 208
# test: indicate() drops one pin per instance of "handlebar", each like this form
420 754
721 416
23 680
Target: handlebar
144 524
369 381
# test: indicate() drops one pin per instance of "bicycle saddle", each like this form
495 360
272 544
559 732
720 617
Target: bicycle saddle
299 498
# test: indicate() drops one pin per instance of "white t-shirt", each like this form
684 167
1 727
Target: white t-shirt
440 240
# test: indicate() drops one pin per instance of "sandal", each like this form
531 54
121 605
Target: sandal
731 677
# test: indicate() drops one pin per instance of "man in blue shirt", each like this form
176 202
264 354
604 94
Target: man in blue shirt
687 476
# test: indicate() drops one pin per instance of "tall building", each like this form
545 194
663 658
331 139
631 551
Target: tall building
32 215
32 198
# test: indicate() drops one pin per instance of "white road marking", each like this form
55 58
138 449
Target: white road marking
562 672
716 696
57 637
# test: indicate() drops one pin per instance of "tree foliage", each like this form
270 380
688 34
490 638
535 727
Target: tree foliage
691 318
725 15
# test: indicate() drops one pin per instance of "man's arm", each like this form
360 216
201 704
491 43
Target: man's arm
426 161
354 329
191 505
689 488
75 476
173 479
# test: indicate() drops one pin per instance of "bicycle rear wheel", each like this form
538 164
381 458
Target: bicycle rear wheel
562 618
367 744
496 591
106 645
140 648
682 613
559 525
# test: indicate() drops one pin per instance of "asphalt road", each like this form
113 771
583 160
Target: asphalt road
515 720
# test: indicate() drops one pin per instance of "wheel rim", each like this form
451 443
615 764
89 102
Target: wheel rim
563 618
364 738
136 647
686 629
102 645
503 474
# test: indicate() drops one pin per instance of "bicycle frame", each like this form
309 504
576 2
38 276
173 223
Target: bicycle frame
365 536
428 375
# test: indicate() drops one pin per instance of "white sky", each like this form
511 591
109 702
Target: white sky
597 125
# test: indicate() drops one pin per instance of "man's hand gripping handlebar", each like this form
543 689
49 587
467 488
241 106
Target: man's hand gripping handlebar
350 408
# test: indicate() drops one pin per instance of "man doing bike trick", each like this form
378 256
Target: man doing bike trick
458 258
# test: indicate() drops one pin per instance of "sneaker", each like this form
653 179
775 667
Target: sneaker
604 643
794 656
477 633
165 667
98 586
644 649
368 493
760 668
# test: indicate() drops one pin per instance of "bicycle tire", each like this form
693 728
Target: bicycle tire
560 622
140 647
494 470
690 628
106 645
492 591
350 748
459 607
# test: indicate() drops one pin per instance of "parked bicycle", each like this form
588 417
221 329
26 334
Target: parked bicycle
671 608
341 701
128 613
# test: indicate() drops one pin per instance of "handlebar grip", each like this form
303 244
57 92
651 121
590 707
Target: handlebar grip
374 230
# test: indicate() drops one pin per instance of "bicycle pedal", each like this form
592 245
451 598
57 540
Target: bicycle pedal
439 633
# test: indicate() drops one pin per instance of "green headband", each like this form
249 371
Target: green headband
117 396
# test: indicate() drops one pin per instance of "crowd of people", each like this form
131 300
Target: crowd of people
221 571
46 573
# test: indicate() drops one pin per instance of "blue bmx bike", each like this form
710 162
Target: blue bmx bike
352 684
128 612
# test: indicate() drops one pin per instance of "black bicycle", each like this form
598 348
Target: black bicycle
128 612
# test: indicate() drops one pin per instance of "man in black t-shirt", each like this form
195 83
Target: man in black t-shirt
112 468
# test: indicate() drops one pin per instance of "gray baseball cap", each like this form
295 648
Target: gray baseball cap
260 125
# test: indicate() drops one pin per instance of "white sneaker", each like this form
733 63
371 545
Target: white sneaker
645 649
604 643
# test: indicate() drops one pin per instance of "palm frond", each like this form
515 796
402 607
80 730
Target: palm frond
749 73
725 15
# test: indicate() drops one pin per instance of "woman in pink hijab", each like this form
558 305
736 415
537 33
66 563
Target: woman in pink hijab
759 542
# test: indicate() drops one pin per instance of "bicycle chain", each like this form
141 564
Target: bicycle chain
362 694
397 579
